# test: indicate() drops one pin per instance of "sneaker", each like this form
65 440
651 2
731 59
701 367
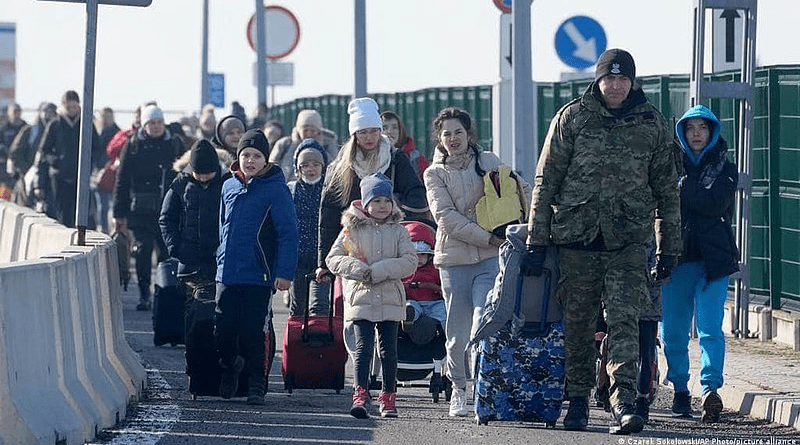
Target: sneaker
712 407
360 401
230 378
387 405
577 418
682 405
458 402
642 408
626 421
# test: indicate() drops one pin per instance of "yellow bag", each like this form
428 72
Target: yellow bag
503 203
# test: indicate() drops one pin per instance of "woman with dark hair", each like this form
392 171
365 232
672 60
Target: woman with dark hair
465 253
394 129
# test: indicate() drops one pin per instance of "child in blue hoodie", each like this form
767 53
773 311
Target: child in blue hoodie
699 285
257 254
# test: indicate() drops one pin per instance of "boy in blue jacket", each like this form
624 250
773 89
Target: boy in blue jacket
257 254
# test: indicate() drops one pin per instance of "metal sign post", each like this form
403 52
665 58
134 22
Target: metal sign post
526 150
85 148
701 90
261 50
360 49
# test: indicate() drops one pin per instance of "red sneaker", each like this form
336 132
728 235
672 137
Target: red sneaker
360 401
387 405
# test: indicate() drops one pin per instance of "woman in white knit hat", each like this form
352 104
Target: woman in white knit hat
366 151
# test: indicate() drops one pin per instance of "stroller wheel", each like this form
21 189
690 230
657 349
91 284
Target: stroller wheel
435 386
447 385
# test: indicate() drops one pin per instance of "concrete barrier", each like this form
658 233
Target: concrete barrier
66 370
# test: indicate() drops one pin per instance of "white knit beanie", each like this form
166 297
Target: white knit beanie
363 114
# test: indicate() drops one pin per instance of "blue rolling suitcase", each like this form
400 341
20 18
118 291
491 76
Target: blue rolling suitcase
520 375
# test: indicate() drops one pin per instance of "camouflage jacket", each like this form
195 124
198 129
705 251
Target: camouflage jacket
601 172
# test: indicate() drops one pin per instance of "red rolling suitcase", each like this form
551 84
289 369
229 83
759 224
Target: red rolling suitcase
313 354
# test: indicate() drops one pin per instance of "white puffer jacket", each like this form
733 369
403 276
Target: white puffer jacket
453 193
383 249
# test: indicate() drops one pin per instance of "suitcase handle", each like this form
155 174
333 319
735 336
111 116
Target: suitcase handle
308 278
545 300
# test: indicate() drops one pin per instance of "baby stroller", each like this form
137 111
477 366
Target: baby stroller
420 353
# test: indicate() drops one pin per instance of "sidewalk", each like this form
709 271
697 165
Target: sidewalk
762 379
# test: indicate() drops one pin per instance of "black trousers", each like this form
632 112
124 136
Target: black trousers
146 237
239 322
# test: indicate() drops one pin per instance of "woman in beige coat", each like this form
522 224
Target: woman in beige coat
466 254
372 254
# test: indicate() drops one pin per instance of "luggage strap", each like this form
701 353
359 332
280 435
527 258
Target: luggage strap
545 300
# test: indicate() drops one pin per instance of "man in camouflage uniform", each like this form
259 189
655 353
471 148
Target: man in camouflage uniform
605 174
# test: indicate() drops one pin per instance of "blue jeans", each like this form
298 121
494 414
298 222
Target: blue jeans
689 293
103 202
465 289
434 309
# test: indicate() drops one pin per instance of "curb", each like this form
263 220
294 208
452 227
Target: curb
739 394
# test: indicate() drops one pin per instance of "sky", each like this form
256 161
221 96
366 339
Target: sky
153 53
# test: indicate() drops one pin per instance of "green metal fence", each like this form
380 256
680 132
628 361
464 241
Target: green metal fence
417 109
775 214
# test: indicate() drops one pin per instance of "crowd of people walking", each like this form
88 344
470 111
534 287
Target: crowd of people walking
247 211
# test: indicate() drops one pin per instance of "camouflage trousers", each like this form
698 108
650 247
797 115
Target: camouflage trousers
618 278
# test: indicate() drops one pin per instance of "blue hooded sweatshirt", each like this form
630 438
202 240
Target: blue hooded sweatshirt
708 186
713 125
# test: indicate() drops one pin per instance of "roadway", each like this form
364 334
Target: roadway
168 415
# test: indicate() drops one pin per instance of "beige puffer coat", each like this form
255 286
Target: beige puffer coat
386 251
453 194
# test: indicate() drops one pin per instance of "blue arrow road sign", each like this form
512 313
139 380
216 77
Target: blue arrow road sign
579 41
216 89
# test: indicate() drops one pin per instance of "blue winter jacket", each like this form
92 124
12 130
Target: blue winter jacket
258 238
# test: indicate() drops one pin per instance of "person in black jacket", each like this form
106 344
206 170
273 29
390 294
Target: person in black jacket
699 285
366 152
145 171
59 148
189 219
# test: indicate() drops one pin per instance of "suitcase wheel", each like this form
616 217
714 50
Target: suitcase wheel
288 383
338 391
479 421
551 424
194 397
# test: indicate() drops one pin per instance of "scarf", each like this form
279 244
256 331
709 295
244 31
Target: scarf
460 160
366 165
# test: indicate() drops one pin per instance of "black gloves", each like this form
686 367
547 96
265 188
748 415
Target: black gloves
663 267
533 262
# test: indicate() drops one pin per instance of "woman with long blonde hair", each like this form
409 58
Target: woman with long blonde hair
367 151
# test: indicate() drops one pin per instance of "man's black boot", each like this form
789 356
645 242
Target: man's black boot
626 421
577 418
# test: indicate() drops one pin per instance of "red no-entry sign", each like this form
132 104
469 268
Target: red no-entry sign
283 32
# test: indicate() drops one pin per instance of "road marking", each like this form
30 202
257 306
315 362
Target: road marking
275 439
